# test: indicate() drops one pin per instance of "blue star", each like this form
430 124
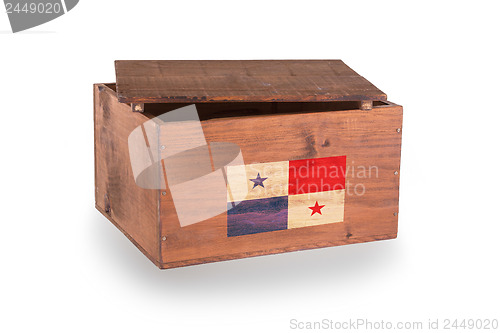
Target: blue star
258 181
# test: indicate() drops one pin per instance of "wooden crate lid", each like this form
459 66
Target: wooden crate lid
200 81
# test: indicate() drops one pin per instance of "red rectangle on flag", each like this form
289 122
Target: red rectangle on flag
316 175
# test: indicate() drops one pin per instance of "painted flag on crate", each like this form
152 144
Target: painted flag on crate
274 196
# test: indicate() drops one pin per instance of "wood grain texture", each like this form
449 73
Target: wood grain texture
132 209
203 81
369 140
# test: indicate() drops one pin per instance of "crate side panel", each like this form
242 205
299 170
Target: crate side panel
132 209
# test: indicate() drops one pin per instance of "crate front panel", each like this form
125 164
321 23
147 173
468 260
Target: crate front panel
371 144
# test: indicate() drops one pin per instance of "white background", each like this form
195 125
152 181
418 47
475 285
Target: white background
65 268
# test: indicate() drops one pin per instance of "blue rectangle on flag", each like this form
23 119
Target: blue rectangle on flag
255 216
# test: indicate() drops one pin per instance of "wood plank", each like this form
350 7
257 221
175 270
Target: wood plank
205 81
369 140
339 242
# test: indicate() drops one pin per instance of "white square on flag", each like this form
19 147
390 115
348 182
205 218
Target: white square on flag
305 210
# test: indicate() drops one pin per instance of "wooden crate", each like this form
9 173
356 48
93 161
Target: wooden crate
281 114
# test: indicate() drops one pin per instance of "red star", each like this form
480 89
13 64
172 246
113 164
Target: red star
316 209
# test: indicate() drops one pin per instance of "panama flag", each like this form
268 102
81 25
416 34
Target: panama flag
274 196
